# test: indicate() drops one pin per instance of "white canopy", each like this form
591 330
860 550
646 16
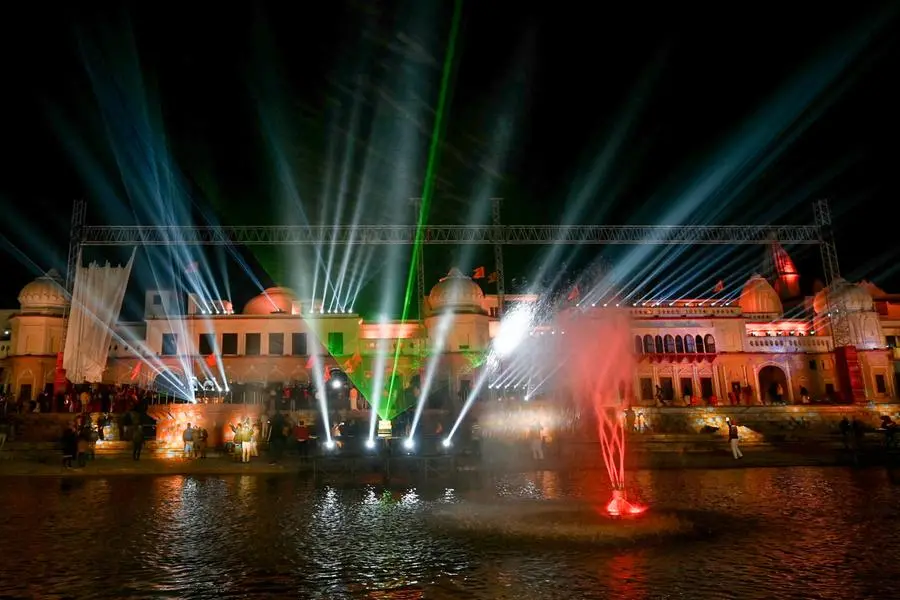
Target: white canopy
96 303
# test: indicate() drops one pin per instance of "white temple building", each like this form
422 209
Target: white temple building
688 351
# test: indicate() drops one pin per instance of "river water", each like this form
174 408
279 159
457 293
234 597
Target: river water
780 533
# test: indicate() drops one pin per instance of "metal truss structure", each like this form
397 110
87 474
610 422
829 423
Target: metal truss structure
837 311
281 235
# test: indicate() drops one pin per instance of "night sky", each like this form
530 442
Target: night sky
628 114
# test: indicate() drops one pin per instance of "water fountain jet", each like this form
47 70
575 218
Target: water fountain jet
598 362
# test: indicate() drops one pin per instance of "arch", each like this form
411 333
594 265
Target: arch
700 346
648 344
679 345
710 343
669 344
658 342
689 346
773 384
638 345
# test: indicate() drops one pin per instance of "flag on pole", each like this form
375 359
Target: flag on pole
136 371
211 361
478 273
575 294
494 277
720 286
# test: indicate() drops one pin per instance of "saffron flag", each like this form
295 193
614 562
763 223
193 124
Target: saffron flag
136 371
575 294
478 273
211 361
720 286
494 277
310 363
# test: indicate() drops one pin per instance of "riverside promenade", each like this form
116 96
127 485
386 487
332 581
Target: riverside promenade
755 456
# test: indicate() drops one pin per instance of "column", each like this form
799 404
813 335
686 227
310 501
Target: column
755 385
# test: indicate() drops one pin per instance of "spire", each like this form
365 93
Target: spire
783 272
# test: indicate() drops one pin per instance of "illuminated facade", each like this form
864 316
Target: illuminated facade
687 351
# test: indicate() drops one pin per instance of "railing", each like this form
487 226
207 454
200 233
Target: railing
786 343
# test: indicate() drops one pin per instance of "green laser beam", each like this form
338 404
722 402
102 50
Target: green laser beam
428 184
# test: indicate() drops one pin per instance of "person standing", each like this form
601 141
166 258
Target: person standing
137 442
276 436
734 440
187 436
537 442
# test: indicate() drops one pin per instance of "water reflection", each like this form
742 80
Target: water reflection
782 533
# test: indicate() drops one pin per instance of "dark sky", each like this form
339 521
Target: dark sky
570 112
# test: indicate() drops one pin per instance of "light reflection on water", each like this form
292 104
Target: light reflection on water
787 533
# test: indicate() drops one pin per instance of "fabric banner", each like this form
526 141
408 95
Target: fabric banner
96 302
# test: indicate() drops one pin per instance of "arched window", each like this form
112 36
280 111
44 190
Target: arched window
638 345
710 342
659 344
648 344
689 344
679 345
669 343
699 341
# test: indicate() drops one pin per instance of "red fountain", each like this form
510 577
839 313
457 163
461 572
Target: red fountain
598 363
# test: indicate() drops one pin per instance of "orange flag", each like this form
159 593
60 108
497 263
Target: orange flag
136 371
720 286
478 273
211 361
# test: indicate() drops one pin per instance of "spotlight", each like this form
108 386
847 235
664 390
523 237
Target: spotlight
370 444
408 443
446 443
335 383
329 445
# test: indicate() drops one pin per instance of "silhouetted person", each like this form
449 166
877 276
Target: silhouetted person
734 440
137 441
69 445
844 428
277 437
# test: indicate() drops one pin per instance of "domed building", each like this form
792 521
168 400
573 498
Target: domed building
458 298
35 336
273 300
764 347
456 293
44 295
863 325
759 299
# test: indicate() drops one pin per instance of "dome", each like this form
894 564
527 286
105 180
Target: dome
758 297
456 292
853 297
44 294
273 300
